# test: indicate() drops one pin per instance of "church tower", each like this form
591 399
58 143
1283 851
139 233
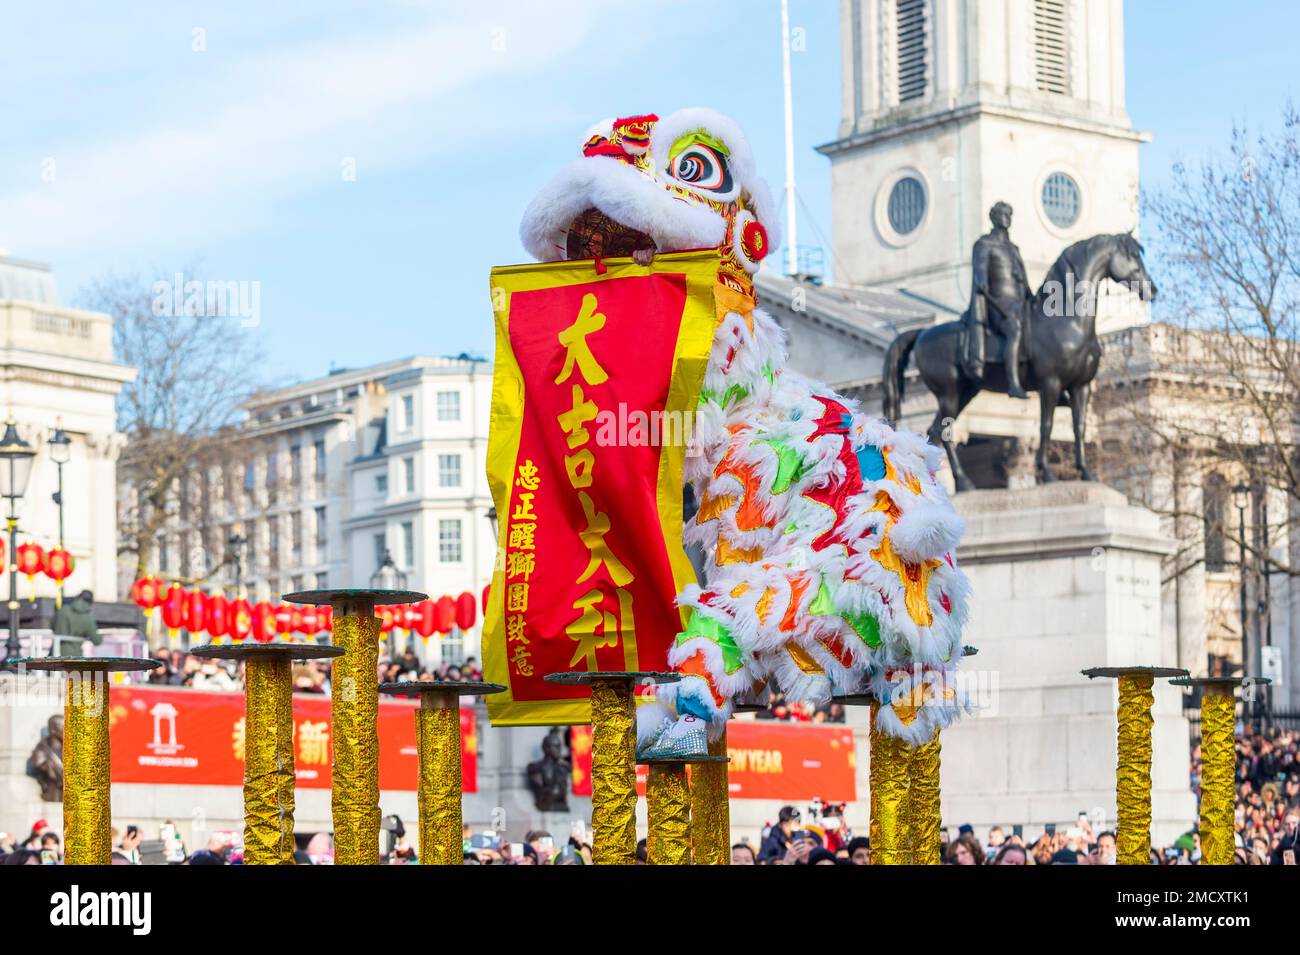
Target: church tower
952 105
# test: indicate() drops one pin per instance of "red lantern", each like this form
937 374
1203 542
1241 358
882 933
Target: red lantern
326 618
310 620
241 619
218 616
444 614
263 622
486 589
59 565
385 615
424 618
295 620
195 612
283 619
466 611
173 609
29 558
147 592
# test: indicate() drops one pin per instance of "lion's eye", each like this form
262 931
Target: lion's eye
702 167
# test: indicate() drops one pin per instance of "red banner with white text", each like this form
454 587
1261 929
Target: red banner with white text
196 738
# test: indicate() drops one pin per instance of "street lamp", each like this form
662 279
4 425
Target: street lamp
235 545
387 576
60 453
1241 499
16 457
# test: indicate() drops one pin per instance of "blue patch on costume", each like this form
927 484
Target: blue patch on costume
691 706
871 462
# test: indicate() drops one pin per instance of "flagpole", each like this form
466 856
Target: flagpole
792 254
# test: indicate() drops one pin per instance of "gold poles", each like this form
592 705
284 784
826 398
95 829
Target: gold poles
711 807
1133 757
438 738
269 777
923 799
613 754
87 807
1218 763
669 808
354 688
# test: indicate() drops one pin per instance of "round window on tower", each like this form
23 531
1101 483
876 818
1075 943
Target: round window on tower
1061 200
906 205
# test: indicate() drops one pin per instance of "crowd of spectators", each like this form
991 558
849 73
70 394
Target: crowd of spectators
311 676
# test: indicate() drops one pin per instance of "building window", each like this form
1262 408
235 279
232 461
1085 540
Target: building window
273 539
449 406
408 475
449 540
1061 200
295 466
320 531
906 205
322 581
381 548
449 470
295 536
381 485
295 583
910 15
408 412
318 452
1215 502
408 544
1052 46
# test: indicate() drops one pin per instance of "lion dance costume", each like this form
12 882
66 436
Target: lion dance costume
828 540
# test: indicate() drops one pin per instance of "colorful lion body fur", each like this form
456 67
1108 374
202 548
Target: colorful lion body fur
828 539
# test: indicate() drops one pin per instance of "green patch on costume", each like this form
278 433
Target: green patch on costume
707 628
733 393
790 466
864 624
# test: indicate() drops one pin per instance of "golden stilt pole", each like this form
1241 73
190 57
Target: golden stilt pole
269 780
354 710
613 755
87 807
669 798
711 807
438 738
1218 763
1133 758
923 796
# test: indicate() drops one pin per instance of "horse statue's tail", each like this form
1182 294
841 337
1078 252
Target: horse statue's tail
895 364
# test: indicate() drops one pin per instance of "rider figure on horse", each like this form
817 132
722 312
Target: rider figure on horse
999 290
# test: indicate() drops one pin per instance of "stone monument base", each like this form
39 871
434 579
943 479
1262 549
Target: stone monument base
1065 576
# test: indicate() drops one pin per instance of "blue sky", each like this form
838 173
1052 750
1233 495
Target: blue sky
127 149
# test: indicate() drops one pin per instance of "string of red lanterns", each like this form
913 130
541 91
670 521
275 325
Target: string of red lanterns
218 616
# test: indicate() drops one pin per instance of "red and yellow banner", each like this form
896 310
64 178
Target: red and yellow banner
593 396
769 760
196 738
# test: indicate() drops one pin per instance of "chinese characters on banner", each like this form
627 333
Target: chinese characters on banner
594 389
196 738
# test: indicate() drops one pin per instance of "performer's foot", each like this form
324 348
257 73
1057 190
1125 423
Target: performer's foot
1015 391
687 737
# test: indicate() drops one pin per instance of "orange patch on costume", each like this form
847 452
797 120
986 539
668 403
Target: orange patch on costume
727 554
797 587
764 605
915 579
713 507
886 503
739 590
802 658
695 665
727 298
749 516
837 649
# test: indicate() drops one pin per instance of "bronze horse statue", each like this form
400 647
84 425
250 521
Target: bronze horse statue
1058 357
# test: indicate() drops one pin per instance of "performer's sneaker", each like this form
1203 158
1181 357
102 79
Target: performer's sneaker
685 738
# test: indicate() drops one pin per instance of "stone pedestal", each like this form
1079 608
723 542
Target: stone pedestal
1065 576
